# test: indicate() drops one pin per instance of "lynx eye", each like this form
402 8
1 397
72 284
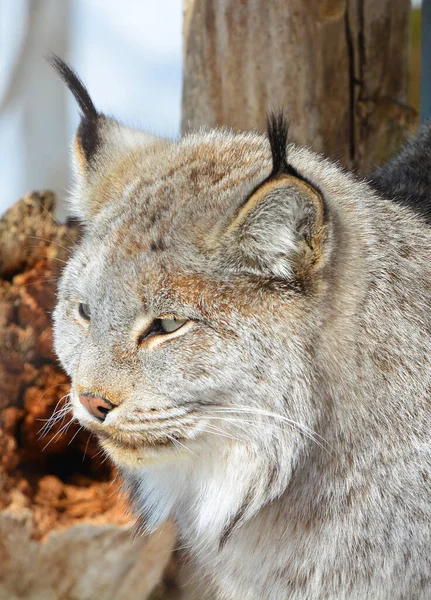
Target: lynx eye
162 326
84 311
170 325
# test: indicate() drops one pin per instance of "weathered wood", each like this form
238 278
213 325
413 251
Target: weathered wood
379 34
338 67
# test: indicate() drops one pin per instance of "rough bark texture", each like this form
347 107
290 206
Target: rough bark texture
338 67
65 529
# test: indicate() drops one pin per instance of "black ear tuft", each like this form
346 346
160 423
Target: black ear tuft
75 85
87 134
278 128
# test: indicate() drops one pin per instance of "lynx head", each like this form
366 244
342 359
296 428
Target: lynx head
190 316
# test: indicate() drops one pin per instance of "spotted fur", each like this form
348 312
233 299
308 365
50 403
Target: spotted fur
286 426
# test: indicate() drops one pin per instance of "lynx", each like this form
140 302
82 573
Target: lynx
247 331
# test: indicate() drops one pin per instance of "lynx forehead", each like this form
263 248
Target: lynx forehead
247 331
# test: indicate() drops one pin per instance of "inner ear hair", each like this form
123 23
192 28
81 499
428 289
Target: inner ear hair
302 187
87 136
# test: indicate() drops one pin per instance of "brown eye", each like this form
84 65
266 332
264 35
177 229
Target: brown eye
84 311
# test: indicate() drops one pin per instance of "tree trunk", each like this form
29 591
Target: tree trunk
338 67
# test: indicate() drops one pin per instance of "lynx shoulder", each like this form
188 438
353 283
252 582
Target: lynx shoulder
247 330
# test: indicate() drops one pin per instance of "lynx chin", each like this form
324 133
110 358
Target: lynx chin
247 330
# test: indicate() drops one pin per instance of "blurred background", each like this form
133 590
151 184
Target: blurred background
129 55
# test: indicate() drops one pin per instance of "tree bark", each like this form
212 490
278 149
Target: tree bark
338 68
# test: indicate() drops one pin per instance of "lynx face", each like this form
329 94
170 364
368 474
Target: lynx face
164 322
199 275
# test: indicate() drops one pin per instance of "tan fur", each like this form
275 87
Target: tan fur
79 155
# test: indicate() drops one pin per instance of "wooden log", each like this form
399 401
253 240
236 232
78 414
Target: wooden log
338 67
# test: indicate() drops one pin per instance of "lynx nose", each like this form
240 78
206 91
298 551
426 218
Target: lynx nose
96 405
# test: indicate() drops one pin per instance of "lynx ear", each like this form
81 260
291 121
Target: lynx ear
279 229
100 143
87 138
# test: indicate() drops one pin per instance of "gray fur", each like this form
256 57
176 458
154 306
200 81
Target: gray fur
287 430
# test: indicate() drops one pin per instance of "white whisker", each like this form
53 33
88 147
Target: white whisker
35 237
57 416
178 443
35 282
50 388
86 447
46 256
304 429
59 432
56 222
216 431
75 434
